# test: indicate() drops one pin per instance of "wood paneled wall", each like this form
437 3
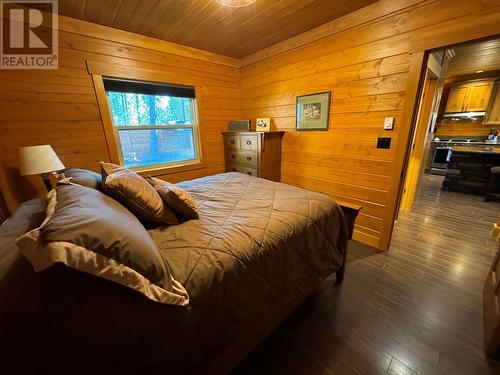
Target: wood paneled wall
59 107
370 60
463 128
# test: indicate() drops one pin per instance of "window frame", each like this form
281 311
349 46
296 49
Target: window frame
113 139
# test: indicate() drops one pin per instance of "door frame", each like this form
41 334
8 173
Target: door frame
419 137
418 68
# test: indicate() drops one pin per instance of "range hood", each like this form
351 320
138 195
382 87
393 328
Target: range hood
464 115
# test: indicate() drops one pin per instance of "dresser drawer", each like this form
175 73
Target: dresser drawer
243 169
244 153
233 141
249 142
242 157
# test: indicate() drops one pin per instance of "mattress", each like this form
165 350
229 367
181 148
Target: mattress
257 246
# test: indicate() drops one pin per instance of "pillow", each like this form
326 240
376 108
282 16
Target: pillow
90 232
82 177
176 198
135 193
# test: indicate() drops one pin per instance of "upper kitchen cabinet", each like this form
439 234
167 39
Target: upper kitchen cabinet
469 96
456 99
478 96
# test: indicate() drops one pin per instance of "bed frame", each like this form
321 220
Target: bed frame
232 355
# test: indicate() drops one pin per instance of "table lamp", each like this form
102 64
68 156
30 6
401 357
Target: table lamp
40 160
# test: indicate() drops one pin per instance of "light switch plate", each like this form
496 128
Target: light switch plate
389 123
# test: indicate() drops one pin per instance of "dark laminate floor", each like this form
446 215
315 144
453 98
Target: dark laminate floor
415 309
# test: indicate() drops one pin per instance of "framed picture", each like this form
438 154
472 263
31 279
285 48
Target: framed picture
313 111
263 125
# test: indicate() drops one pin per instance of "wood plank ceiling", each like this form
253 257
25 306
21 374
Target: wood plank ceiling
470 58
205 24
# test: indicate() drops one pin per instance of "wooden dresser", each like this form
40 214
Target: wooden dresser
254 153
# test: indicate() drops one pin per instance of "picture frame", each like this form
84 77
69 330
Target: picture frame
263 124
313 111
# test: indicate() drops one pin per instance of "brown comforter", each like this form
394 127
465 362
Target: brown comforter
257 246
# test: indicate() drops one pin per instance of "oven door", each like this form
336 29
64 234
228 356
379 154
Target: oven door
441 157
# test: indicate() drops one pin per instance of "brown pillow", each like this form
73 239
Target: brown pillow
91 232
176 198
135 193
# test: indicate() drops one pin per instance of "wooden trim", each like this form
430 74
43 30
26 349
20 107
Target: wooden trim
369 14
80 27
110 131
417 140
483 25
107 122
408 123
366 239
200 145
451 32
8 187
72 25
170 170
133 73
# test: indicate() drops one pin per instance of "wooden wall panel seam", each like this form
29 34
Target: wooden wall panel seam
249 83
71 25
303 69
312 36
417 8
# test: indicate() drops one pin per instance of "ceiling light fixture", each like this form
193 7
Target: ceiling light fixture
479 71
235 3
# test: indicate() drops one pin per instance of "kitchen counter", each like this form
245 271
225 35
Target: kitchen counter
476 149
466 143
469 168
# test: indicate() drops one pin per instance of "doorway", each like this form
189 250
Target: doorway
455 136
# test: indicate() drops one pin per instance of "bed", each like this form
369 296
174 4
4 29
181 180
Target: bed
258 249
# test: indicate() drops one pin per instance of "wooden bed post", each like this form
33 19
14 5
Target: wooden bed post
350 214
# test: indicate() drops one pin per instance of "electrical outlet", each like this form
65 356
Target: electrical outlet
389 123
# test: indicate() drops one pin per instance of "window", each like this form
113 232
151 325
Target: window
155 125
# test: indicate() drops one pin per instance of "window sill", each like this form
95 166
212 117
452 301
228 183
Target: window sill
159 171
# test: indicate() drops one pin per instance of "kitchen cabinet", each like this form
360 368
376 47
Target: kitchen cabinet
478 97
456 99
469 97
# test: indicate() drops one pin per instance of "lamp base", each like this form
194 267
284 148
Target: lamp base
46 181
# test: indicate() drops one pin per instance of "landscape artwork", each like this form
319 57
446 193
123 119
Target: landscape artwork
313 111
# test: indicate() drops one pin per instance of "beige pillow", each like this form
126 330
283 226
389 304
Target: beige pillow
176 198
135 193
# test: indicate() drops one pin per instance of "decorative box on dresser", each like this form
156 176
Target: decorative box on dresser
254 153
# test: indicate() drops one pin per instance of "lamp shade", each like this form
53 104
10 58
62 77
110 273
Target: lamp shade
38 160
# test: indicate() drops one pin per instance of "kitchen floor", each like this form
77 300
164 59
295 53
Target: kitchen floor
415 309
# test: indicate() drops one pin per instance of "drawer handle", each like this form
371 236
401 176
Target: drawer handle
249 158
233 156
249 142
232 141
249 173
234 169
